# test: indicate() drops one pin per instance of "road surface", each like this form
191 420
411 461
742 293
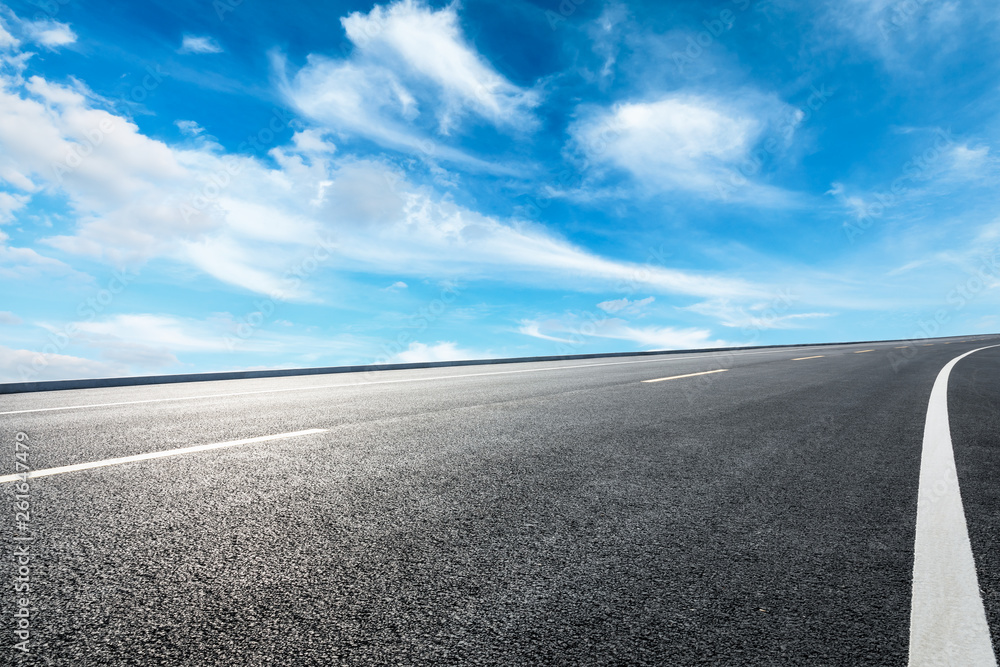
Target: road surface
761 509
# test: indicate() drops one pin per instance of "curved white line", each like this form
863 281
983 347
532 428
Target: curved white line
947 620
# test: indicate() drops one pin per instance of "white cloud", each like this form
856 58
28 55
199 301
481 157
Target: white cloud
970 164
396 286
50 34
9 318
689 142
312 141
429 235
430 44
146 341
28 366
624 306
250 223
606 33
903 33
189 127
28 264
7 41
410 65
442 351
576 332
755 316
156 332
9 204
196 44
909 266
534 329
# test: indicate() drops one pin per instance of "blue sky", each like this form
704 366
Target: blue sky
194 186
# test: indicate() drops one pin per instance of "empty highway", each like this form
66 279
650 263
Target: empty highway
755 507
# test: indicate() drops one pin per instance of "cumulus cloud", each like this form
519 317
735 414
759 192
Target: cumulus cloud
199 44
441 351
412 74
690 142
312 141
430 44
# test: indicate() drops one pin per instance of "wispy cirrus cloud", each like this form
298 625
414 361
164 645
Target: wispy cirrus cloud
573 332
756 316
20 365
625 306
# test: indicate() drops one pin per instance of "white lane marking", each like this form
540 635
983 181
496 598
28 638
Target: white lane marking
689 375
818 356
947 620
362 384
45 472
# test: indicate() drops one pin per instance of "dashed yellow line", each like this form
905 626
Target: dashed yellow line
863 351
818 356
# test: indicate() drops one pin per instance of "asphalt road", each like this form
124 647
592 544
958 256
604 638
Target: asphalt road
541 513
